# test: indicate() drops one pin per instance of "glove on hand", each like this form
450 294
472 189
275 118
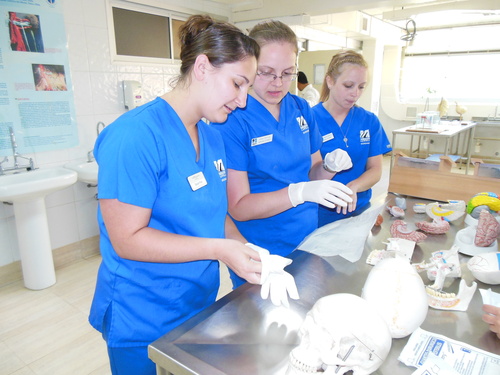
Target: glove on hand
337 160
325 192
275 281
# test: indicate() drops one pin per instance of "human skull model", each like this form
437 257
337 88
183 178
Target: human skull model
342 332
395 289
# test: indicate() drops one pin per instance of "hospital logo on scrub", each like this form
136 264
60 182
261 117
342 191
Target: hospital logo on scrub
303 124
364 137
219 165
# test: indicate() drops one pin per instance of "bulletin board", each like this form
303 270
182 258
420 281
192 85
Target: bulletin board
36 91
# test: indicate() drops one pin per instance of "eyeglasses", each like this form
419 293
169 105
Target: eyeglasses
270 77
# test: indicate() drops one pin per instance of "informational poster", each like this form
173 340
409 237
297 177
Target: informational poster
36 92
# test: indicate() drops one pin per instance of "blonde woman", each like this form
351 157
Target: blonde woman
349 128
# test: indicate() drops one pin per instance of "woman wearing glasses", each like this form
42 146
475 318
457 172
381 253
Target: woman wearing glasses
275 171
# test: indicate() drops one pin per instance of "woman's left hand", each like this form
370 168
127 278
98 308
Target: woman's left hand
491 316
351 206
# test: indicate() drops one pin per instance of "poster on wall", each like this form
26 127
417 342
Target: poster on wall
36 93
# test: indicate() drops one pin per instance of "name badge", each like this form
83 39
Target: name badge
327 137
261 140
197 181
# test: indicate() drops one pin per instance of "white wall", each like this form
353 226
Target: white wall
72 212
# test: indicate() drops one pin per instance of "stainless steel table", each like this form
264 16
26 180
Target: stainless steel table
242 334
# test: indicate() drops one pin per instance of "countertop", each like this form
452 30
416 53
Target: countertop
243 334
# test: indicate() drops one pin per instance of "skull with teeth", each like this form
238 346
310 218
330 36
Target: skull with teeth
342 332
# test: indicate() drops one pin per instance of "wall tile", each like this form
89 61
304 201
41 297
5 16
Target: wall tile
73 12
105 93
77 48
82 93
87 218
63 225
94 13
98 49
152 86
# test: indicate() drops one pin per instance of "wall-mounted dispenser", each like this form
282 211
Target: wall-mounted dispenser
132 94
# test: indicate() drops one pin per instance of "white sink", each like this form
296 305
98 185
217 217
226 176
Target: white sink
87 171
30 185
27 191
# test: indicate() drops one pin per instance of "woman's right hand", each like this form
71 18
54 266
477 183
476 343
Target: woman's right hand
242 259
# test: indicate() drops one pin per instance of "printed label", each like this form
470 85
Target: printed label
261 140
197 181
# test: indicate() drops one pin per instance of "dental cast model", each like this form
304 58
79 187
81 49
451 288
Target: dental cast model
488 229
451 301
396 291
342 332
438 226
450 211
445 264
399 229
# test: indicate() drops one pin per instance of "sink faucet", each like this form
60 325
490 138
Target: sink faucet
90 154
99 125
29 166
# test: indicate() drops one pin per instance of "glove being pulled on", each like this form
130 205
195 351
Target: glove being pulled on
328 193
276 283
337 160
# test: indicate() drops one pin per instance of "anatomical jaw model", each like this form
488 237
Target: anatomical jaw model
342 332
443 264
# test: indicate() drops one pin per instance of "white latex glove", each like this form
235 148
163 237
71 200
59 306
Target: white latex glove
337 160
328 193
275 282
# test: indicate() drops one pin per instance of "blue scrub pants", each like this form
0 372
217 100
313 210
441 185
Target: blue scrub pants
131 361
127 360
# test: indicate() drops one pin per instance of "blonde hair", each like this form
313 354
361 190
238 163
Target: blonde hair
336 67
270 31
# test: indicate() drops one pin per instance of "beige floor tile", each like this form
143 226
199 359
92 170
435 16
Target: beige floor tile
103 370
24 371
38 339
80 357
9 361
33 307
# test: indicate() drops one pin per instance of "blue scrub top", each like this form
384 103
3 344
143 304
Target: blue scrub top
274 154
146 158
366 138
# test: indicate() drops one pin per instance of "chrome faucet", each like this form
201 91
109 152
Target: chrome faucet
16 166
99 125
90 154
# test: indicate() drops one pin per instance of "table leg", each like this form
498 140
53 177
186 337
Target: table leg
446 144
392 152
470 141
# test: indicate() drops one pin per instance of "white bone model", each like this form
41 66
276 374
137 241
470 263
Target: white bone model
396 291
342 332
